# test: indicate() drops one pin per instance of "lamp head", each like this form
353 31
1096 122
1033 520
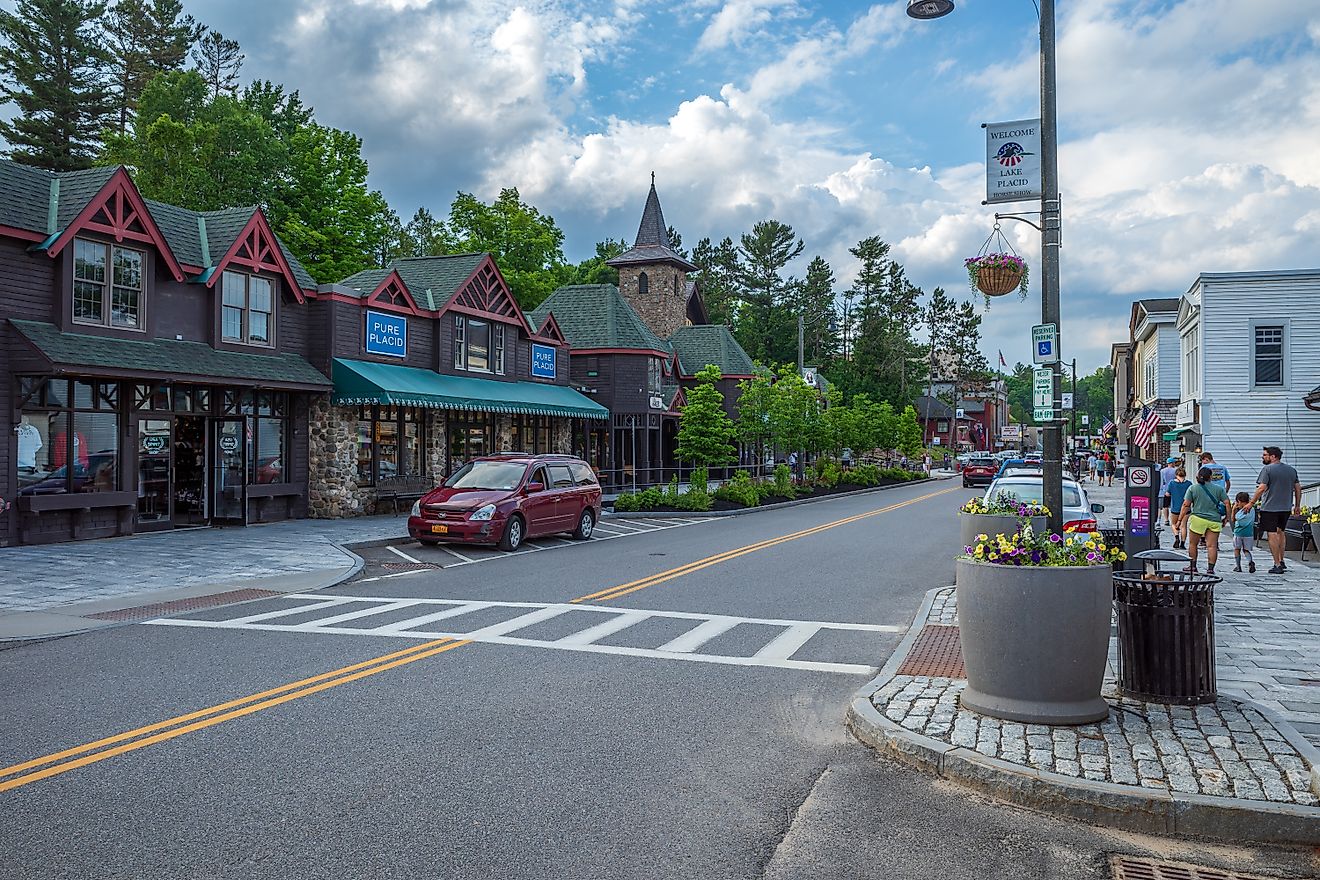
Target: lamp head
927 9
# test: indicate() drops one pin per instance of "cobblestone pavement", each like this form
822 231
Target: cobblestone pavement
40 578
1267 629
1225 749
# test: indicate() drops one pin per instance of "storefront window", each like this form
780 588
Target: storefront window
390 443
52 459
269 463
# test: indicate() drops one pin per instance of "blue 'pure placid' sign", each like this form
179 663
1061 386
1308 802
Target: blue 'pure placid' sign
543 361
387 334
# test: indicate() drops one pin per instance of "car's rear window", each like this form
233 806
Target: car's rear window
487 475
582 474
1031 491
982 462
561 477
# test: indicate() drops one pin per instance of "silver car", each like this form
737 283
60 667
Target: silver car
1079 514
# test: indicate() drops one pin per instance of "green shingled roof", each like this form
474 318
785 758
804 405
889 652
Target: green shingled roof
103 354
597 316
703 344
25 202
431 280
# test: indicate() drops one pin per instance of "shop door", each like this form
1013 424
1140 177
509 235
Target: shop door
229 472
189 484
155 462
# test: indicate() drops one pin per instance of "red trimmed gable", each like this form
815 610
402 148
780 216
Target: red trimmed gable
256 249
485 293
550 331
392 295
119 211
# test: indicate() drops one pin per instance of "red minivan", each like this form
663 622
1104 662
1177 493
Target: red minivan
505 499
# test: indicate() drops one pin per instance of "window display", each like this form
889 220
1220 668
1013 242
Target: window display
64 449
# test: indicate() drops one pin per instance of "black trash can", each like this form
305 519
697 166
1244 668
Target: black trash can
1166 632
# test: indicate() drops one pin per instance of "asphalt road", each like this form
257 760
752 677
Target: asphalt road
488 749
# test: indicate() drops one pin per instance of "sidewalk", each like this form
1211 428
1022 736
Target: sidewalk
1234 770
59 589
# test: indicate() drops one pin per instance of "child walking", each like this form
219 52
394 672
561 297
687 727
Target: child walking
1244 527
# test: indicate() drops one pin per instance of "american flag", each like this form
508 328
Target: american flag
1002 362
1109 426
1150 420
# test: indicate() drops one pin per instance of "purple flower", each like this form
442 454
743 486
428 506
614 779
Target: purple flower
1054 539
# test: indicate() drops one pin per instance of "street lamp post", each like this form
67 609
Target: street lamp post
1051 237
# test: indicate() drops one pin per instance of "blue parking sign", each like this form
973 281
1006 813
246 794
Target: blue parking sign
1043 348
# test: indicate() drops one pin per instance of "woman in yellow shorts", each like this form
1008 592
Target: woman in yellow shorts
1205 507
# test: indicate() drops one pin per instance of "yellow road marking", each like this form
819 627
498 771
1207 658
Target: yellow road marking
671 574
163 731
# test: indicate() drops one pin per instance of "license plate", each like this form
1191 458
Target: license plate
439 530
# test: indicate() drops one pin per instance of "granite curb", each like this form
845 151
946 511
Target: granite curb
709 514
70 620
1130 808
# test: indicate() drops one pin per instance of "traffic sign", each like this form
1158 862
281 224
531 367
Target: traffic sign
1045 343
1086 419
1043 414
1042 388
1138 476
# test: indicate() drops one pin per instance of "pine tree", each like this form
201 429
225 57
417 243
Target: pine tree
144 38
763 326
816 306
52 67
705 431
717 267
218 61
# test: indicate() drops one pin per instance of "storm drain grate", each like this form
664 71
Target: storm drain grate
1132 868
936 652
146 612
409 566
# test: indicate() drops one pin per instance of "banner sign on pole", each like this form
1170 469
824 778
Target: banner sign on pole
1012 161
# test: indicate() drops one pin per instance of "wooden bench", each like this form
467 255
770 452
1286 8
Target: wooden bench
398 489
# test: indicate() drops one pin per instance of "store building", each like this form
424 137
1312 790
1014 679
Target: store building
433 364
155 360
635 347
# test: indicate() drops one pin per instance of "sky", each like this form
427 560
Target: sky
1189 129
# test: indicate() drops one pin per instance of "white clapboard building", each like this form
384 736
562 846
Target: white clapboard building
1250 358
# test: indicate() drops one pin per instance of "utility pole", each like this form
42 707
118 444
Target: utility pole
1051 240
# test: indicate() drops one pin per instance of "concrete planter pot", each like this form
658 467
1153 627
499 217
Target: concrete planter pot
1035 640
1315 534
973 524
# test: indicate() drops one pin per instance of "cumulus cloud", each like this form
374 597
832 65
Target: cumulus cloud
739 19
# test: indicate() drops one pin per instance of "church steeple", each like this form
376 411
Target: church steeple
652 275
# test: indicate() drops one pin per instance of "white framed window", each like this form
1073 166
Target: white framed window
478 345
1191 376
107 285
653 374
247 309
1150 376
1268 355
497 349
460 342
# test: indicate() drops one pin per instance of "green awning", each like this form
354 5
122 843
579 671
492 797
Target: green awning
1178 432
363 382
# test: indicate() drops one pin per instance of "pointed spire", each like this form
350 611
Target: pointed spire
652 244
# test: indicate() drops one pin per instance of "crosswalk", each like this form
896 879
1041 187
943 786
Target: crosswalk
577 627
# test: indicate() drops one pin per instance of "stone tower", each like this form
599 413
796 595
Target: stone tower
652 276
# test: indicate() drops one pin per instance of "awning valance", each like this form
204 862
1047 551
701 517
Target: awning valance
1178 432
365 382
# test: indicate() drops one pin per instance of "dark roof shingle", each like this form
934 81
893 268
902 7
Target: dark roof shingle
698 345
597 316
430 280
652 244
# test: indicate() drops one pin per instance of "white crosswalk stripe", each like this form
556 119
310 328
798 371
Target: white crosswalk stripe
601 622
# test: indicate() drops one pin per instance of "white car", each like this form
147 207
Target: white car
1079 514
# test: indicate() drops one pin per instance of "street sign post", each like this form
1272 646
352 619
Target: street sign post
1045 343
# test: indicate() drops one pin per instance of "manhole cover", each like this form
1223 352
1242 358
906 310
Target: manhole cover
409 566
936 652
1132 868
146 612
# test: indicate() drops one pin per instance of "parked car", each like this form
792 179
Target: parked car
1078 512
978 471
505 499
1018 464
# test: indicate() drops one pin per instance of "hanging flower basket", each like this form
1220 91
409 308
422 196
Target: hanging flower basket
997 274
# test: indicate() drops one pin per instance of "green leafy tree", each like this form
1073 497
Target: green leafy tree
909 432
218 60
755 399
53 68
145 38
888 426
795 412
526 244
716 276
887 312
705 431
593 270
763 325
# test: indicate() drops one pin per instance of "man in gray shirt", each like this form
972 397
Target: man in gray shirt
1279 492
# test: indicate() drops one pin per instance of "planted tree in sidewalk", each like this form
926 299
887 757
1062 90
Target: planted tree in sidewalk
705 431
909 433
754 402
795 412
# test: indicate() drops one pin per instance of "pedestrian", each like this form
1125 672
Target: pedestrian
1100 469
1167 473
1279 492
926 463
1244 527
903 462
1205 505
1177 492
847 457
1110 467
1090 464
792 461
1219 473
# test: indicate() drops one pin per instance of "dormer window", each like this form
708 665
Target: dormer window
478 345
107 285
247 310
643 284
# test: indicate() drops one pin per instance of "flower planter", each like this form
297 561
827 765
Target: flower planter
997 280
1315 534
1035 640
973 524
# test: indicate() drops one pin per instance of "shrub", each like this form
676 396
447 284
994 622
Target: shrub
863 475
670 494
828 473
697 496
741 490
783 485
626 503
899 474
650 498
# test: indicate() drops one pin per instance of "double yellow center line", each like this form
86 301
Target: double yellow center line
90 753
